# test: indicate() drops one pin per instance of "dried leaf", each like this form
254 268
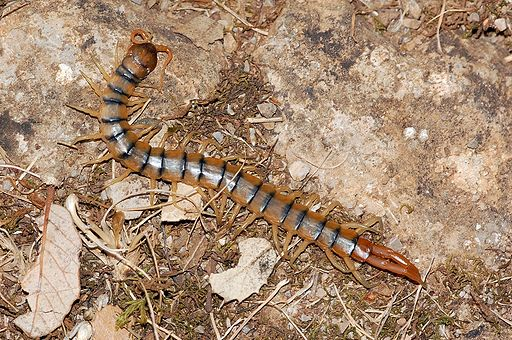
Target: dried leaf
127 187
104 324
53 282
185 209
255 266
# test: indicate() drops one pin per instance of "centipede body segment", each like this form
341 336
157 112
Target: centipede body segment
262 199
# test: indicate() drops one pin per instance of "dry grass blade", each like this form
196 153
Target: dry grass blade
349 316
280 285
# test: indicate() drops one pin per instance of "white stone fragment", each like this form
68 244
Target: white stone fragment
64 75
186 208
423 135
219 136
409 132
299 170
500 24
129 186
256 263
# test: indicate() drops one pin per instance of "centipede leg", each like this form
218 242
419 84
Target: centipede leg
333 205
90 112
234 214
118 179
102 159
90 137
275 237
361 228
248 221
94 86
216 210
350 268
208 141
300 249
286 244
311 200
101 69
186 140
152 186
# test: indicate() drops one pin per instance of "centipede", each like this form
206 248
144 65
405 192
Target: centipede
343 243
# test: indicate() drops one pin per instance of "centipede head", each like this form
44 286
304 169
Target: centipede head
143 57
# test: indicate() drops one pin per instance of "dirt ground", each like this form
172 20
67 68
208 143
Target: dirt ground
395 109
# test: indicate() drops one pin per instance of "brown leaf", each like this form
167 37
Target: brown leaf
53 282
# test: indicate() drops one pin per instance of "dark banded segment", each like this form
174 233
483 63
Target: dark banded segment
328 235
277 209
295 216
122 146
110 120
154 168
246 188
174 165
127 75
193 168
117 89
213 172
262 198
345 242
113 131
113 112
311 226
230 177
138 157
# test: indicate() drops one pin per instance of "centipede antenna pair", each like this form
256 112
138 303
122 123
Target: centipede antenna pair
263 200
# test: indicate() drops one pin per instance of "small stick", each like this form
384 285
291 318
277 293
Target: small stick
242 20
151 312
439 23
280 285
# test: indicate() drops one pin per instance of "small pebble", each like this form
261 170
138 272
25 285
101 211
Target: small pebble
400 322
199 329
500 24
230 111
305 318
102 301
267 110
395 244
230 43
474 17
409 132
299 170
411 23
414 9
247 66
423 135
475 142
219 136
252 136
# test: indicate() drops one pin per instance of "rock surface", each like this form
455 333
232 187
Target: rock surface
353 101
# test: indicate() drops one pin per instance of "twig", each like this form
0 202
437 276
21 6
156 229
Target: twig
257 120
242 20
20 169
214 326
349 316
439 23
293 323
280 285
151 311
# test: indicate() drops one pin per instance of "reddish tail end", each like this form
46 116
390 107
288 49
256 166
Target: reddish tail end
385 258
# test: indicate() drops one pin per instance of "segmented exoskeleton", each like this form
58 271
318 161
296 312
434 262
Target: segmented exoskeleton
262 199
